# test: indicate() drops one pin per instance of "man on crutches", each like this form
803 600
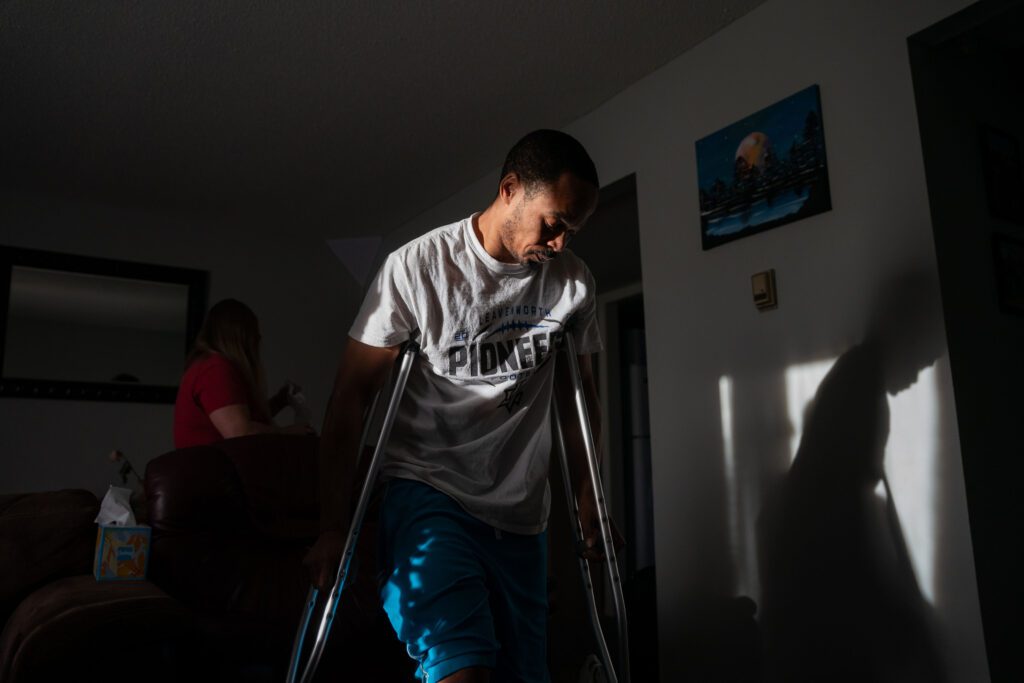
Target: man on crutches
462 545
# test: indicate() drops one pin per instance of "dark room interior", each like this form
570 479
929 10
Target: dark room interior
807 260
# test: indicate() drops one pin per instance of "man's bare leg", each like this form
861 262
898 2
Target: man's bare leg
473 674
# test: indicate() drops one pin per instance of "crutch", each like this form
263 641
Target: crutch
569 349
404 365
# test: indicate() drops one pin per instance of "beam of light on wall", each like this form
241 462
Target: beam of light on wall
743 491
729 461
801 384
741 498
912 469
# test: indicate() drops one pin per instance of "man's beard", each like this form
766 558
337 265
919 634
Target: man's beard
509 229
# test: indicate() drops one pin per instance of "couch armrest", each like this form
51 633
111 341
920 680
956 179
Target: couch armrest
43 536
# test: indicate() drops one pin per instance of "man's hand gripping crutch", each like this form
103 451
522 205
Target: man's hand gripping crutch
594 532
591 544
357 387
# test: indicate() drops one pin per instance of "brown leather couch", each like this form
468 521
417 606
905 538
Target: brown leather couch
231 525
226 585
58 622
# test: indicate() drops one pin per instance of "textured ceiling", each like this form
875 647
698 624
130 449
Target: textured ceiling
347 117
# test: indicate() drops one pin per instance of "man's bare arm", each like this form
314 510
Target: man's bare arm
577 455
570 421
361 374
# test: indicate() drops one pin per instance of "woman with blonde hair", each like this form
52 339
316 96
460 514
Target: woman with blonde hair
222 393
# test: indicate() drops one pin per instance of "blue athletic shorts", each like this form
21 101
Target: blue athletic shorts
458 592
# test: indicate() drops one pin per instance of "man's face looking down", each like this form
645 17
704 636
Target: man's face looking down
543 218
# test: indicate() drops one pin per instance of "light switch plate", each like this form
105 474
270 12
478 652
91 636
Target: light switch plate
763 285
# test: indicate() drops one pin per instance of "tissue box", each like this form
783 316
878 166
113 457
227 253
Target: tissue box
122 553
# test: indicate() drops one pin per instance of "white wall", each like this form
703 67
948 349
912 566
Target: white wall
703 327
284 271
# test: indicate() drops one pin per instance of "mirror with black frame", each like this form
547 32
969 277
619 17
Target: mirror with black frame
83 328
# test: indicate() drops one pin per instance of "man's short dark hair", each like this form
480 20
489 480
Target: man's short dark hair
543 156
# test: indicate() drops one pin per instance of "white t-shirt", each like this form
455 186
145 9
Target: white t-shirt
474 422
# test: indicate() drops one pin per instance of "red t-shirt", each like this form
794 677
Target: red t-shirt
209 383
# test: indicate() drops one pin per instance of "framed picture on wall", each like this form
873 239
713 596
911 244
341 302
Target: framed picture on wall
763 171
79 328
1004 182
1009 270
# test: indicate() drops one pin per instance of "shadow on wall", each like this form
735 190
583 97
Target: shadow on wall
840 600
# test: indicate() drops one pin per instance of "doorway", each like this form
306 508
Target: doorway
969 98
610 246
